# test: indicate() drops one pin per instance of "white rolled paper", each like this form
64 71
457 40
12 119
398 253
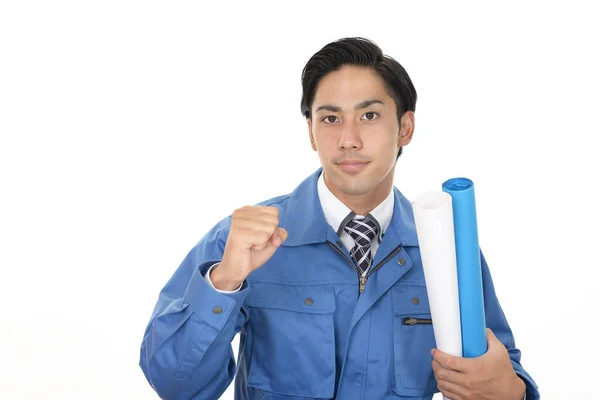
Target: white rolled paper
435 231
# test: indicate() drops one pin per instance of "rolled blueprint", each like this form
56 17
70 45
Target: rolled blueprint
435 231
468 260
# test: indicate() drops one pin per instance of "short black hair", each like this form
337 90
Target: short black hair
361 52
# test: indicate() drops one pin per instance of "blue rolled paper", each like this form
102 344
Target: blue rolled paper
468 264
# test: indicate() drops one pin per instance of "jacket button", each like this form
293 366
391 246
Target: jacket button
339 243
415 300
401 261
308 301
217 310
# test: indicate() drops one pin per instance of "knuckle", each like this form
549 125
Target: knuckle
238 213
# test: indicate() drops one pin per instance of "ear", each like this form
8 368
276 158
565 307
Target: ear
407 128
310 134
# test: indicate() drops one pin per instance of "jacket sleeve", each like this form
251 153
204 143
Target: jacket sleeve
496 321
186 349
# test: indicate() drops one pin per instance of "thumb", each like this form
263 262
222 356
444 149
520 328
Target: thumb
274 242
492 340
279 237
264 254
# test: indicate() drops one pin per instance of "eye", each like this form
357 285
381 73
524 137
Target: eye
370 115
330 119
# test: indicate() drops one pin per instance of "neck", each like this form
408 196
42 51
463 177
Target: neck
364 203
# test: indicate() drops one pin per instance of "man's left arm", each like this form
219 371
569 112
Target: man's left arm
496 321
498 373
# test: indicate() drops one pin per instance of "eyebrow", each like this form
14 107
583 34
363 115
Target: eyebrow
362 104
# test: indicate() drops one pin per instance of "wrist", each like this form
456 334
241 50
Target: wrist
221 280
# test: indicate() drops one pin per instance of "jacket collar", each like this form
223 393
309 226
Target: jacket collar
305 222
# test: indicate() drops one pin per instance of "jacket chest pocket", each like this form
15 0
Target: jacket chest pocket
413 341
293 341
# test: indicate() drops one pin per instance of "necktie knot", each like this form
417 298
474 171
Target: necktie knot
363 231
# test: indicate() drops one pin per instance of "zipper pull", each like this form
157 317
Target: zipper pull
363 283
415 321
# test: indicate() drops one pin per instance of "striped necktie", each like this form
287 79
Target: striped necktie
363 231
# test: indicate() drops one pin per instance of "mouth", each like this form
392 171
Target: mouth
352 166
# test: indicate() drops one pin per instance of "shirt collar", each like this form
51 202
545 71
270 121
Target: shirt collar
335 211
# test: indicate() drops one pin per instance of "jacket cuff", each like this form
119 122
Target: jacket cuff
212 307
207 278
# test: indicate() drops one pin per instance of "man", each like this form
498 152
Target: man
325 284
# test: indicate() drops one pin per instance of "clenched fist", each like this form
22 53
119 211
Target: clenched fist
253 238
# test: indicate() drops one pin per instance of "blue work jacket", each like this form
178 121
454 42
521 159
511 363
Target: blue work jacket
306 331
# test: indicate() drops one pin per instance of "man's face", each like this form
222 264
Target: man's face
355 130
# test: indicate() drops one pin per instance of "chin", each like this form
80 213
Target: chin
355 186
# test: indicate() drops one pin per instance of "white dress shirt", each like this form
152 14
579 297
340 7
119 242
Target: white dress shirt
335 212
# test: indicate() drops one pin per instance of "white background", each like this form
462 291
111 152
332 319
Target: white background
129 128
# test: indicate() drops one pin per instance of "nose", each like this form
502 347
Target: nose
350 136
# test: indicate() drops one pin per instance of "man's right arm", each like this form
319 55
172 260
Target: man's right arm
186 348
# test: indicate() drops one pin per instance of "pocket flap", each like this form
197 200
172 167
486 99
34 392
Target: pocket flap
410 300
304 299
